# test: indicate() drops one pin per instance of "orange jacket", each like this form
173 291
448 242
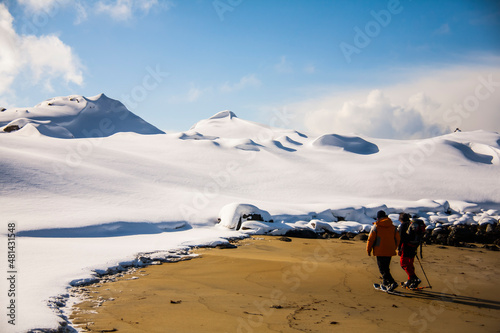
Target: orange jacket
383 239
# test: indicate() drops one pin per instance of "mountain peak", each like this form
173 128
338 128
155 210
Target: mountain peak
224 114
98 97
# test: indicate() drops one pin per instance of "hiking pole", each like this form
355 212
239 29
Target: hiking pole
424 272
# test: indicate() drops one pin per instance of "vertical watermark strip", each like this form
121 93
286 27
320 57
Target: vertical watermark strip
11 273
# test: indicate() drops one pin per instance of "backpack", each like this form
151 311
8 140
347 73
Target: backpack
416 232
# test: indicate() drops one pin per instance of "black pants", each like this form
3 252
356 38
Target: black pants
384 268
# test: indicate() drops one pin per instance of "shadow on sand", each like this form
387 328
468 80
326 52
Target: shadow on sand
451 298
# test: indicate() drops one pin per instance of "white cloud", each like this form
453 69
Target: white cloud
44 58
375 116
49 57
284 66
146 5
41 5
10 55
427 103
43 10
309 69
246 81
123 10
194 94
81 13
118 10
443 30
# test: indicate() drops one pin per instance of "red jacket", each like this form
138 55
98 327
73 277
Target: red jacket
383 239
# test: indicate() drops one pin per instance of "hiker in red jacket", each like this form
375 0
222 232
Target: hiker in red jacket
383 241
411 236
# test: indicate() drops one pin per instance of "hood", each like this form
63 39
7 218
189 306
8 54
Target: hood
384 223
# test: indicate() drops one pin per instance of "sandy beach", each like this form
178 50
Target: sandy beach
302 285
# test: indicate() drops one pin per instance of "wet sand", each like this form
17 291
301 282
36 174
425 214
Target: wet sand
308 285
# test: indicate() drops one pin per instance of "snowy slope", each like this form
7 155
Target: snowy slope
91 196
128 177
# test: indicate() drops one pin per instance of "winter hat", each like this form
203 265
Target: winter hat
404 217
381 214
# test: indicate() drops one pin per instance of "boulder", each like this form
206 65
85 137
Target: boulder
460 234
361 237
233 215
11 128
301 233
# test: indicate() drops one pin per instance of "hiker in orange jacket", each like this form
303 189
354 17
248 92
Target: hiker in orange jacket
383 242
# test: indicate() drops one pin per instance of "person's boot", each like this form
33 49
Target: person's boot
415 281
385 285
406 284
392 286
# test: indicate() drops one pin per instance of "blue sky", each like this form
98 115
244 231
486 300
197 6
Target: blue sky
395 69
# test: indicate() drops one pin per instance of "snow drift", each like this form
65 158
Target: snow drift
351 144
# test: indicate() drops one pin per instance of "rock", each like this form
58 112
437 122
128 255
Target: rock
436 232
480 236
439 236
351 235
427 237
441 239
11 128
284 239
325 235
233 215
491 247
344 237
301 233
225 246
460 234
361 237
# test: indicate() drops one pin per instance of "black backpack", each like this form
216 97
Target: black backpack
416 232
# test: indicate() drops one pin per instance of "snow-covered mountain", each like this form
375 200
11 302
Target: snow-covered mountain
244 134
75 117
86 192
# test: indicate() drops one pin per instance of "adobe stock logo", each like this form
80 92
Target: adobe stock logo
223 6
363 38
471 103
140 92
